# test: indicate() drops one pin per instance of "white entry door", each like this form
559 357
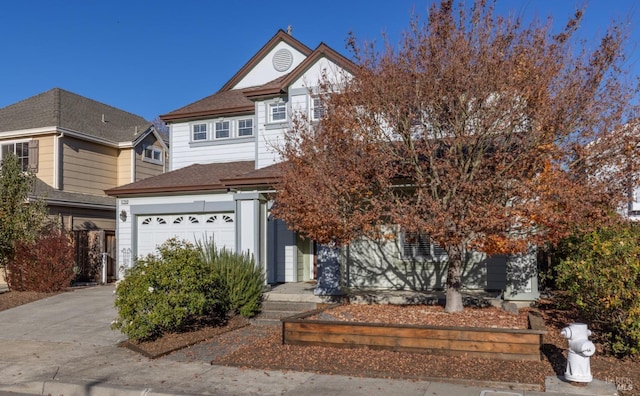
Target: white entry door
153 230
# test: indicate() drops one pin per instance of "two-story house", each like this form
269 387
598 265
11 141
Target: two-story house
223 169
78 147
231 134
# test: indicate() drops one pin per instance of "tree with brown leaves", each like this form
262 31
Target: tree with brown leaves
476 130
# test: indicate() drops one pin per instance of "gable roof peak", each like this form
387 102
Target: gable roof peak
280 36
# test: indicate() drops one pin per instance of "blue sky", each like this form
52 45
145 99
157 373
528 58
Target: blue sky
152 57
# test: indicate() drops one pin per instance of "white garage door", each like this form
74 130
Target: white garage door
153 230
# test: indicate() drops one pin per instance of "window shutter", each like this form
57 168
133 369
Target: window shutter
33 155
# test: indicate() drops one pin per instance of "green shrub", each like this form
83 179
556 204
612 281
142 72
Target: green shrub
43 265
601 273
243 280
169 292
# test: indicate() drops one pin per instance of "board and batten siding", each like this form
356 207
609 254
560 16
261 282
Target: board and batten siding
88 168
184 153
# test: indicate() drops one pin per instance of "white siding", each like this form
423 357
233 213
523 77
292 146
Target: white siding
247 225
267 138
314 74
183 153
264 72
372 264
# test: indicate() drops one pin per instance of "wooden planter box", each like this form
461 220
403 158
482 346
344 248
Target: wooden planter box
492 343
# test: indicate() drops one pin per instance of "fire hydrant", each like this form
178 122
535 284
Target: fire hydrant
580 349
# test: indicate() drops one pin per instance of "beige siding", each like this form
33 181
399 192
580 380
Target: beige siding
88 168
45 155
145 168
46 160
83 219
124 166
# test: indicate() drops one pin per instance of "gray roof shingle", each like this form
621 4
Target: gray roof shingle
64 109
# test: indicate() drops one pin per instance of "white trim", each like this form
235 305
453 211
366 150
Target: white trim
56 159
278 103
133 165
207 135
154 150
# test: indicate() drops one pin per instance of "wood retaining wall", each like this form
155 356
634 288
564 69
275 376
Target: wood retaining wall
492 343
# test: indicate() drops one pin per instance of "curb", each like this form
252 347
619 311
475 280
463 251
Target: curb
94 388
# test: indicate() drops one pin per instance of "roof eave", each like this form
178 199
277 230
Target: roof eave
208 113
165 189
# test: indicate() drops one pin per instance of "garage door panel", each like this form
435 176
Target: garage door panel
154 230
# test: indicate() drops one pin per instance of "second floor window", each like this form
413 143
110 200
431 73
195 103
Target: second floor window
21 150
277 112
222 130
245 127
153 154
199 132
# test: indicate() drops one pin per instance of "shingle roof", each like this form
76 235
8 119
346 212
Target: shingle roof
267 176
53 196
226 102
195 177
229 102
64 109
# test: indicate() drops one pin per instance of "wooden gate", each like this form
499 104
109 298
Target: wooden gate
91 248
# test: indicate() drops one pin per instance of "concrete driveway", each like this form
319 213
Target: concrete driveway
63 345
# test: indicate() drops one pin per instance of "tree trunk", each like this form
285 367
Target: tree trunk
454 283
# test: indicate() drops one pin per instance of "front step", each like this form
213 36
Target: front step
273 311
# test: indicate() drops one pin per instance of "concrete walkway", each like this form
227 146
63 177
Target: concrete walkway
64 345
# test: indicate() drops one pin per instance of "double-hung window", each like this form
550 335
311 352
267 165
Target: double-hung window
420 246
21 150
222 130
199 132
317 108
245 127
277 112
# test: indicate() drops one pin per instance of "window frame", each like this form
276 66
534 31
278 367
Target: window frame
24 159
216 130
239 128
313 107
153 150
419 248
272 106
199 126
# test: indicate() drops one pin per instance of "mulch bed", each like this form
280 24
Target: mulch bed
172 342
260 347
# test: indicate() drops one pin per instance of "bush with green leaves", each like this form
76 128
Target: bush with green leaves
600 271
168 292
243 280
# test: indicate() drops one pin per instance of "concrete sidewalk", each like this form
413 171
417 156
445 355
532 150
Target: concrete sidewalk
64 345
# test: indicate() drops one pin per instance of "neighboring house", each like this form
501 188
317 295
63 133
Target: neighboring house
223 167
77 148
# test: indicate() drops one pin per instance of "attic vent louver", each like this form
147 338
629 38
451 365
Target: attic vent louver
282 60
